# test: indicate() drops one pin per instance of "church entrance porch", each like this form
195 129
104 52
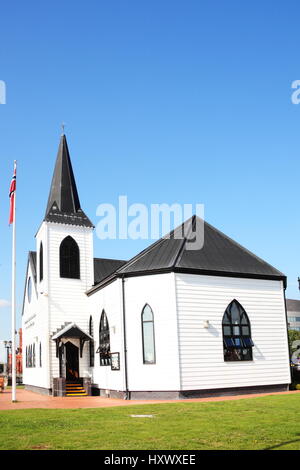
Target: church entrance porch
70 340
72 362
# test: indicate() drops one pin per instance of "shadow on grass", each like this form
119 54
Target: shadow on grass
282 444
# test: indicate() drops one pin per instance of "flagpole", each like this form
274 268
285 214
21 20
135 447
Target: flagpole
13 302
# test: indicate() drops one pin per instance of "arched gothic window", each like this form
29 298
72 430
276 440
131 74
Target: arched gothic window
236 333
30 356
33 355
41 262
104 341
40 354
29 289
69 259
92 347
148 335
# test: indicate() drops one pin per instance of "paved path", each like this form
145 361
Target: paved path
28 399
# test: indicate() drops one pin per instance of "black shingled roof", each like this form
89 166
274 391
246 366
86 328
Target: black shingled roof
104 267
219 256
63 203
32 262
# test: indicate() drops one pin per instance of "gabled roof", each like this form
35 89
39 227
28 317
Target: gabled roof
63 203
104 267
71 330
219 256
31 261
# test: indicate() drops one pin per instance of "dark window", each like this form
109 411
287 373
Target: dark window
92 347
148 335
40 354
104 341
69 259
236 333
30 356
29 290
41 262
33 356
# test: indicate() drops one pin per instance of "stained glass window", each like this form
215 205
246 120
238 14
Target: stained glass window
148 335
104 341
236 333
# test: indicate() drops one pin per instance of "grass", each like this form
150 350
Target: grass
271 422
20 387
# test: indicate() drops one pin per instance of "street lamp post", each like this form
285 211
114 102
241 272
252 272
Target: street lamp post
7 345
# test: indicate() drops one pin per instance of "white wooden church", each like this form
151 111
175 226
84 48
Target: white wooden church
169 323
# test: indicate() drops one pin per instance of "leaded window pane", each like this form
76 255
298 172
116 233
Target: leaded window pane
92 348
148 335
41 263
147 314
236 334
235 314
29 289
245 330
236 330
227 330
229 342
104 341
248 342
238 342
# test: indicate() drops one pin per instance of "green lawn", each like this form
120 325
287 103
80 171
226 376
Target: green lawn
256 423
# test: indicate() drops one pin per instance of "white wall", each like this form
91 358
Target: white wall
67 299
201 298
57 301
109 299
159 292
34 329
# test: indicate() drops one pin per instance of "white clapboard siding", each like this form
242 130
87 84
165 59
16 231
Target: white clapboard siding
159 292
201 298
34 330
67 299
108 299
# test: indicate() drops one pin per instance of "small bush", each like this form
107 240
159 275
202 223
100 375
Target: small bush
295 386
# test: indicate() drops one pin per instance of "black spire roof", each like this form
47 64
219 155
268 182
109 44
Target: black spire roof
63 202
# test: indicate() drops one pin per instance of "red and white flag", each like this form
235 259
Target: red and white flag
12 190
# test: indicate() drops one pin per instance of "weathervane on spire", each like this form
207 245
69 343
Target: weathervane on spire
63 128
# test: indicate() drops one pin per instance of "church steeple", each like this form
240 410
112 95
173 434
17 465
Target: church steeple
63 203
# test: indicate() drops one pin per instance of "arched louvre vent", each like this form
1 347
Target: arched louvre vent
69 259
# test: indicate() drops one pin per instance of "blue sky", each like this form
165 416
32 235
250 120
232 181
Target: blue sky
164 101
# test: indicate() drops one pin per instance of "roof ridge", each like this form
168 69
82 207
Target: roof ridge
151 247
181 249
242 247
110 259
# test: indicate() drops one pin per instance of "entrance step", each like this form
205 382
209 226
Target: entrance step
75 390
